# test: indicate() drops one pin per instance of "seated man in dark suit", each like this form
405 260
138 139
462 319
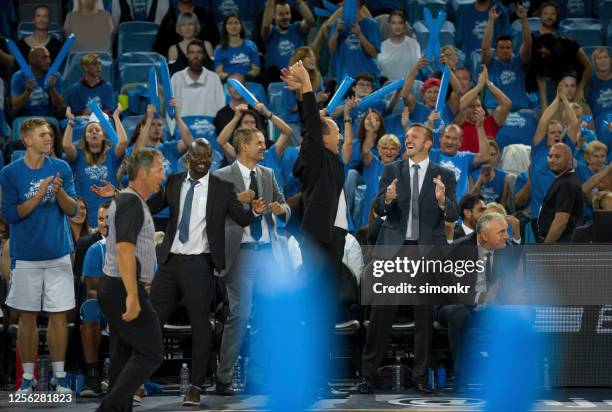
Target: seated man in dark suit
602 201
485 244
471 206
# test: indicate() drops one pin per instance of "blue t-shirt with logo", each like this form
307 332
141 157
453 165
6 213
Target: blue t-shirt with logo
44 234
81 94
292 184
351 56
584 174
371 175
510 79
39 103
94 260
461 164
472 24
600 96
246 9
86 175
280 46
491 191
237 59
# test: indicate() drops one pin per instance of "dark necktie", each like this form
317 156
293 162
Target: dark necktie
414 201
256 225
488 268
186 217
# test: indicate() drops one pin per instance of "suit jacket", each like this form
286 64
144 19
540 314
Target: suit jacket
221 201
458 232
268 189
321 175
431 217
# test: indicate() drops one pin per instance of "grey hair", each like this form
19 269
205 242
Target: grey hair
486 218
188 17
141 159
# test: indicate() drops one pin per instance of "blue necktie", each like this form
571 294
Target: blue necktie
186 217
256 225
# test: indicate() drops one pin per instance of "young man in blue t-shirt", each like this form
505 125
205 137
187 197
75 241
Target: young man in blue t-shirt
37 195
283 38
355 47
505 70
92 318
473 21
29 97
91 87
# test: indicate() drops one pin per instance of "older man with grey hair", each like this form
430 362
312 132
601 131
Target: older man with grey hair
487 241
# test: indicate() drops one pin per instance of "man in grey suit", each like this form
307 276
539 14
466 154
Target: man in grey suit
249 250
416 196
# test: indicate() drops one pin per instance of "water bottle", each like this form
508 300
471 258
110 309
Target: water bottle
397 374
546 375
184 378
237 377
43 373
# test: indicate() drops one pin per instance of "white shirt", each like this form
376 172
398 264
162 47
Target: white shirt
466 229
395 58
265 233
423 165
341 219
353 257
198 241
201 97
481 279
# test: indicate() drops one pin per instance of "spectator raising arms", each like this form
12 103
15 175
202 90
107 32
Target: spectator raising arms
188 28
94 159
235 54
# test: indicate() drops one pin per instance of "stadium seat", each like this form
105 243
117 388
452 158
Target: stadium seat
517 33
414 8
202 126
590 49
73 71
136 36
17 154
17 123
456 7
447 34
586 31
275 97
26 10
609 35
133 67
519 127
27 27
605 11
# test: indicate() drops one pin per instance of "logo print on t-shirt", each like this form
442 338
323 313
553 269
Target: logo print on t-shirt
575 8
286 48
447 164
39 97
352 42
507 77
94 99
97 172
515 120
240 58
35 187
479 29
605 98
228 6
202 128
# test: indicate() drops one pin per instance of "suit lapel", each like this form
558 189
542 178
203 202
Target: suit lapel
175 189
259 181
403 187
237 177
212 186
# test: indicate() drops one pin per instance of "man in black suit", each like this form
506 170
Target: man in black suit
471 206
193 246
416 197
487 243
324 220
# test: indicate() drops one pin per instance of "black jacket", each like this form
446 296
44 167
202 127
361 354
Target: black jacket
221 201
321 175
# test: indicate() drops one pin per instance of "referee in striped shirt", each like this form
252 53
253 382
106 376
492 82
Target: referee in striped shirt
136 348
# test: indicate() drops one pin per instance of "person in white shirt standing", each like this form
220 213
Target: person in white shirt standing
198 91
398 51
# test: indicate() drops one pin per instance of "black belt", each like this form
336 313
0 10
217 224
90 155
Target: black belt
256 246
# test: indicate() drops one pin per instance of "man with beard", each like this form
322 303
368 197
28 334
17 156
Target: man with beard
283 38
561 209
29 97
549 18
193 246
198 91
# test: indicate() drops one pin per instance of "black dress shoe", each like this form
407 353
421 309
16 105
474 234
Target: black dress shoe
192 397
423 388
365 385
224 389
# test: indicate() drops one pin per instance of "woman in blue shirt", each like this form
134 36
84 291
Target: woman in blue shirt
600 86
489 180
94 158
235 54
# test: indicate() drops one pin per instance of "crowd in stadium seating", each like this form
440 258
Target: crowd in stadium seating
525 126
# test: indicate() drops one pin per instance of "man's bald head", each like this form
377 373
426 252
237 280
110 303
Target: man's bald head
560 158
39 58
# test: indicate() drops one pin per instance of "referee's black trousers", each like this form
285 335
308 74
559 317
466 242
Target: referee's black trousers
136 348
